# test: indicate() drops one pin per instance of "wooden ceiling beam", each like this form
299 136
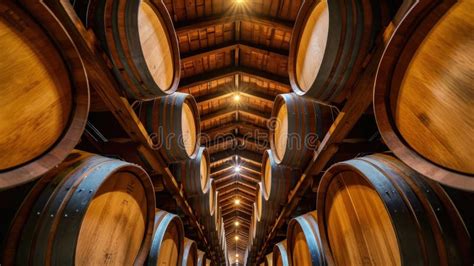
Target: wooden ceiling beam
233 46
241 153
248 183
230 202
252 177
233 70
222 93
242 108
243 215
242 206
229 91
229 17
240 184
242 209
225 193
237 141
241 221
224 128
218 114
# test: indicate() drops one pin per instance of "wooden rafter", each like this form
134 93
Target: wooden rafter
241 153
185 26
233 70
236 45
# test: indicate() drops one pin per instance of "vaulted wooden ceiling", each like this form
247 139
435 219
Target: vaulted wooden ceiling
229 48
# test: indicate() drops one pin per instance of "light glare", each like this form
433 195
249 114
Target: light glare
237 97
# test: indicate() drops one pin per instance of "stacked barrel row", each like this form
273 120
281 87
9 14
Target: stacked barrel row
45 104
421 80
97 206
422 93
376 210
322 76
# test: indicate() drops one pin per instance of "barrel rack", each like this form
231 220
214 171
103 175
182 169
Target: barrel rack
104 83
352 111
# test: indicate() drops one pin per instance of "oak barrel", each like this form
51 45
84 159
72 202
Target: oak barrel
201 258
400 217
173 124
194 173
140 40
423 98
190 253
44 94
304 241
329 44
168 240
269 259
299 126
205 206
280 255
277 180
86 207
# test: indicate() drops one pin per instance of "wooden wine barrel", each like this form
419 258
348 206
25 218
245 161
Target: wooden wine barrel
304 241
201 258
325 66
190 253
252 227
141 43
277 180
402 218
280 256
168 240
194 173
423 94
300 125
173 124
205 206
44 94
269 259
86 207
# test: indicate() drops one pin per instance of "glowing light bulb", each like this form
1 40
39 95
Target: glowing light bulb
239 1
237 201
236 223
236 255
237 169
236 238
237 97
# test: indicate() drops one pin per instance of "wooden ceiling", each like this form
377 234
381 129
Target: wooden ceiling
229 48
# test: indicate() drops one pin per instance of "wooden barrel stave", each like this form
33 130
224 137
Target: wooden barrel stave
420 224
51 105
304 241
120 26
51 220
168 240
280 255
427 131
300 125
173 124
